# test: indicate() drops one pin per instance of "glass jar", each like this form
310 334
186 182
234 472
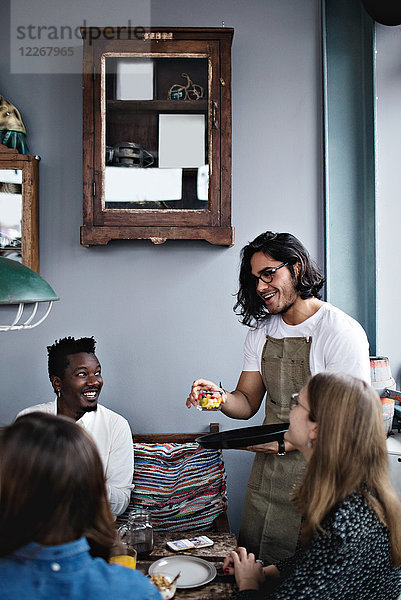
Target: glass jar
137 534
209 400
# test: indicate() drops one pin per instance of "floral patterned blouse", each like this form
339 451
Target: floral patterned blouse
350 560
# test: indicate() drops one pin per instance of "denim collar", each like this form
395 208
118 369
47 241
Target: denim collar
38 552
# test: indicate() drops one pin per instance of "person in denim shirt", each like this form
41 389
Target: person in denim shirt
56 528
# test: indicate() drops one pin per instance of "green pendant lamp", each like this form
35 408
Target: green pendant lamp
19 286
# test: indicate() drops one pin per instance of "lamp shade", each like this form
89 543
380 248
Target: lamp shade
19 284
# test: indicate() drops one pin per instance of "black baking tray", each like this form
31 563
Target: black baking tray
245 436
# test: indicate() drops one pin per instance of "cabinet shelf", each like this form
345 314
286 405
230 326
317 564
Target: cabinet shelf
192 106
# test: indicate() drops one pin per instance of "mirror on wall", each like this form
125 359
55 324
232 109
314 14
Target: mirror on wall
19 182
11 213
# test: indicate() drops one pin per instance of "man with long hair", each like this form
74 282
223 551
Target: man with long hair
293 334
75 374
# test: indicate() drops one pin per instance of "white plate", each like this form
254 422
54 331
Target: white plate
194 571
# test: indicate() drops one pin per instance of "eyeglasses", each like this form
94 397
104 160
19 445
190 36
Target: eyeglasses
268 274
295 402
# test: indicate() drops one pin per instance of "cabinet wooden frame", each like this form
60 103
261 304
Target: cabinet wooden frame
102 224
29 165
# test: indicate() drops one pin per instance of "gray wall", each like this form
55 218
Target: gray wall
388 186
157 329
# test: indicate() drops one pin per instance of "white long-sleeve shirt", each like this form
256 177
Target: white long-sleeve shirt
112 436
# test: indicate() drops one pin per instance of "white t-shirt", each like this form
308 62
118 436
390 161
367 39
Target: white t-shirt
339 343
112 436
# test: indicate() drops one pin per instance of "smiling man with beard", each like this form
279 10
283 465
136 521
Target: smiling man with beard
75 374
293 335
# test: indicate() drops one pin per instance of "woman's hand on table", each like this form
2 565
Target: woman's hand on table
203 385
249 573
228 565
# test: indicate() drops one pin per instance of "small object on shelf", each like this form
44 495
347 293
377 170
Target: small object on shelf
129 154
190 91
209 400
12 129
181 141
134 79
109 155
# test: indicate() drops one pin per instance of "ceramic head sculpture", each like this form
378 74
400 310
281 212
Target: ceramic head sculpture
12 129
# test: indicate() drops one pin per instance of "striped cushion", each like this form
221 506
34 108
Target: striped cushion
182 485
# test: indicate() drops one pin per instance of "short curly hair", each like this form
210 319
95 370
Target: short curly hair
283 247
58 353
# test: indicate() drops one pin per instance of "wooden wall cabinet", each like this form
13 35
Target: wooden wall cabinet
157 135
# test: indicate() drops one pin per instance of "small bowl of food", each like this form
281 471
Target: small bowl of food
165 584
209 400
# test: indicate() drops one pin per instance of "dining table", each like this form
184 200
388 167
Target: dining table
221 587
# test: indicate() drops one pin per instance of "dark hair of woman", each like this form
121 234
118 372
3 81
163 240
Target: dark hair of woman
52 486
349 455
283 247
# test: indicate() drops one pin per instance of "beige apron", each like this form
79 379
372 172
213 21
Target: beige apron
270 525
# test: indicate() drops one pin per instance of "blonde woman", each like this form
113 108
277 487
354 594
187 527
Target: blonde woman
350 543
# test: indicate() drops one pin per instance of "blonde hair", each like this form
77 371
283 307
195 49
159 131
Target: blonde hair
349 455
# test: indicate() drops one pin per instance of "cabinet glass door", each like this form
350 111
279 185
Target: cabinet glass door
156 135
